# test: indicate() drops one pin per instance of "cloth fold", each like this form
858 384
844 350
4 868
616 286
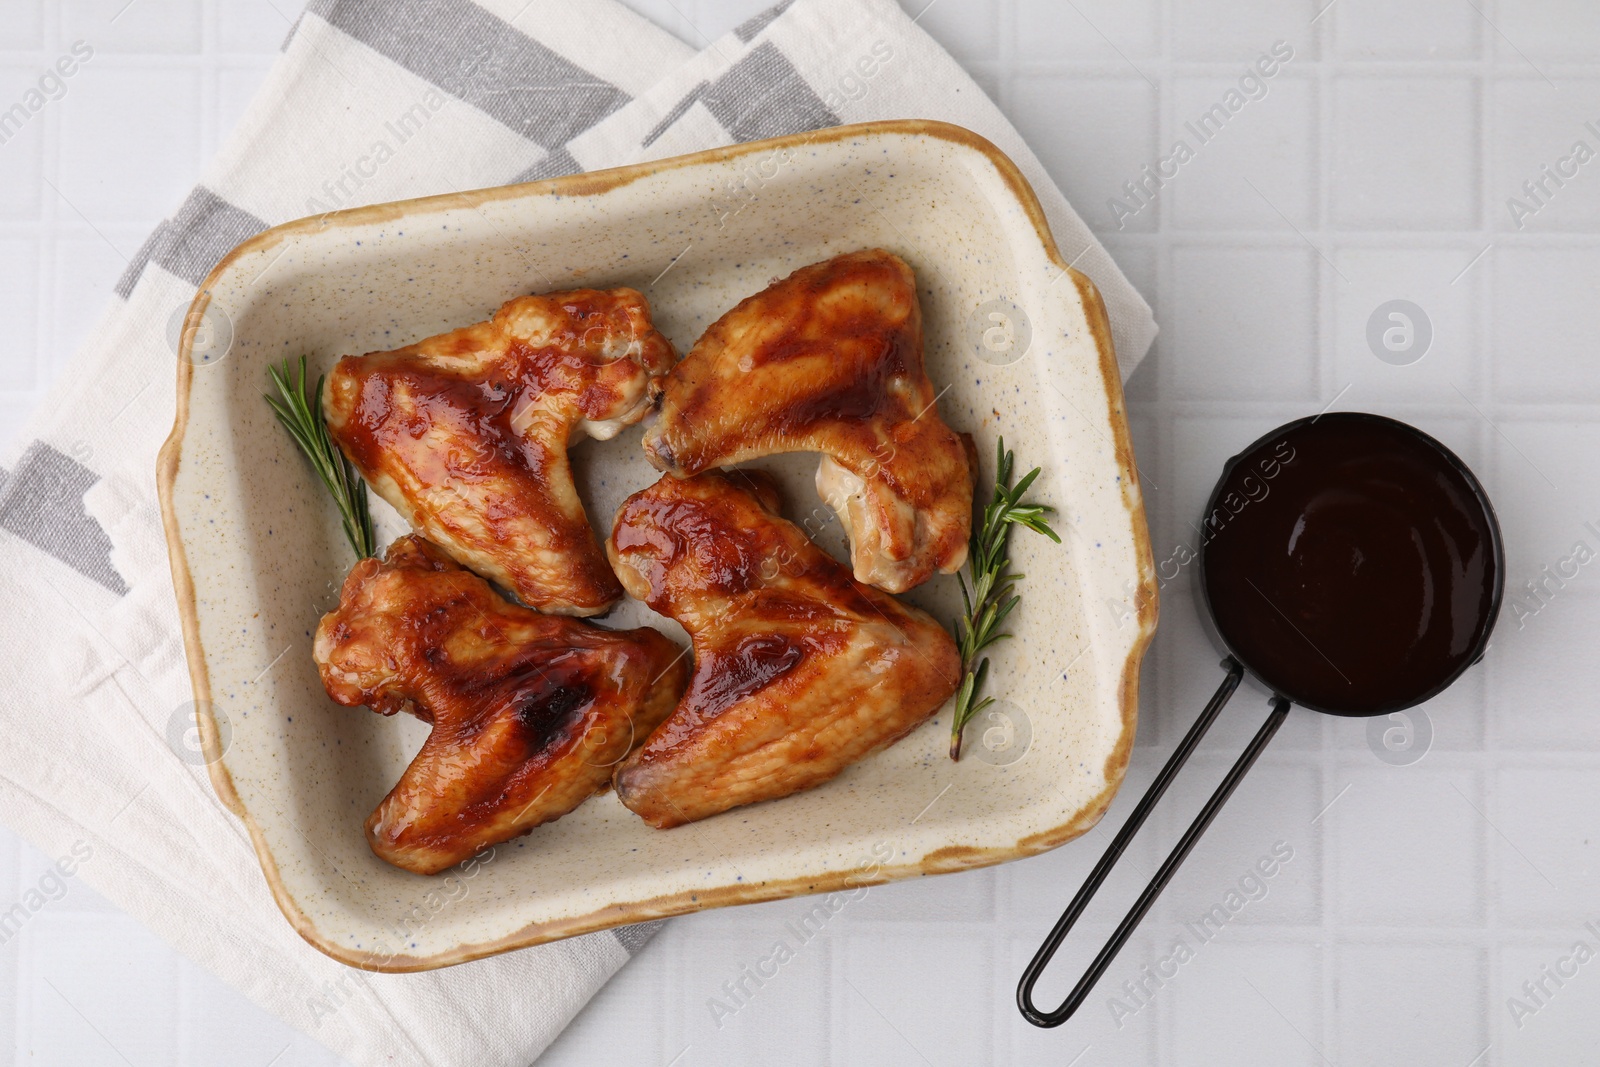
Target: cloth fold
371 101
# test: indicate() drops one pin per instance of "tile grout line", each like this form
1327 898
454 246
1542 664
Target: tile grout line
1488 881
210 116
44 249
1165 1027
1483 79
1468 242
1327 308
1325 43
1482 281
50 137
1483 287
13 1055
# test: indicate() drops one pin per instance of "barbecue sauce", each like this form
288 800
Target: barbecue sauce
1351 563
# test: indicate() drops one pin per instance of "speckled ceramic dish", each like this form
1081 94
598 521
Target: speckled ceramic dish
1017 342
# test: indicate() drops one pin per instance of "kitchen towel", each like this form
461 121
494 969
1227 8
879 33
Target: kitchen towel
371 101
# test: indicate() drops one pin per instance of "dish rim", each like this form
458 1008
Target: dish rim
939 861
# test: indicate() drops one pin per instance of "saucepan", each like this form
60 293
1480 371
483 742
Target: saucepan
1352 565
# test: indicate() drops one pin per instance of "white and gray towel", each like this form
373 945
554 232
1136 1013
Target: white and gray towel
372 100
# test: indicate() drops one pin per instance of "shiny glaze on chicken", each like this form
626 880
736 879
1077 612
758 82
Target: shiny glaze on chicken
799 670
466 434
829 360
530 713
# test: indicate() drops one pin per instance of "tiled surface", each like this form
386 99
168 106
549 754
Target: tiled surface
1376 165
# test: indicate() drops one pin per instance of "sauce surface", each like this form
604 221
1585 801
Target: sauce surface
1350 564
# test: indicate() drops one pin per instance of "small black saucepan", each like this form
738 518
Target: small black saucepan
1353 565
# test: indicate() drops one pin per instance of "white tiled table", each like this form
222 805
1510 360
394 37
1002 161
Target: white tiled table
1418 898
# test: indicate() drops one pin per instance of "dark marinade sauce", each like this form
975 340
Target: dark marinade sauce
1351 564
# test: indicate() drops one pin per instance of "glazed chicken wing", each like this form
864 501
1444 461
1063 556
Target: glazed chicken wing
466 434
799 671
830 360
530 712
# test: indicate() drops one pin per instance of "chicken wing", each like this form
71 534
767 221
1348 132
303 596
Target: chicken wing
530 712
466 434
830 360
799 671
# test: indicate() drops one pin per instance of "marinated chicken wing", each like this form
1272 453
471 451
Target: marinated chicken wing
799 671
830 360
530 712
466 434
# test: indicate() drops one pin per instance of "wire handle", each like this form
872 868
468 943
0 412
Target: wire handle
1041 959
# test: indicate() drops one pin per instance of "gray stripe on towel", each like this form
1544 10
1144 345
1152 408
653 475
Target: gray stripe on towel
751 28
205 229
678 111
136 265
558 164
763 95
635 937
484 60
42 503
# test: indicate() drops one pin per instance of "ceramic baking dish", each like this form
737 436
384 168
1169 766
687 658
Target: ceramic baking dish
1018 344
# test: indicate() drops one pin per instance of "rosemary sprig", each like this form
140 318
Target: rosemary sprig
300 411
988 592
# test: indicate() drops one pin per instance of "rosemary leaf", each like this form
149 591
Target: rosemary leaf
299 409
987 588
